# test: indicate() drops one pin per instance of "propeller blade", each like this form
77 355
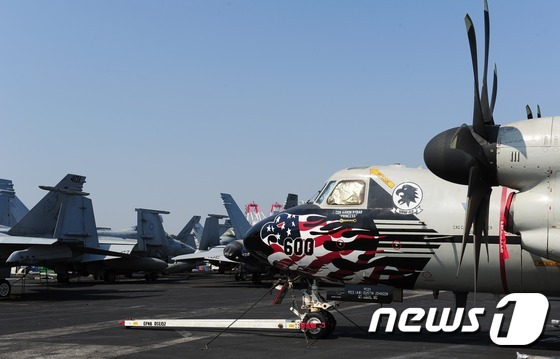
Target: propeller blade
477 217
465 140
481 230
485 207
538 111
494 91
478 120
486 110
475 196
529 112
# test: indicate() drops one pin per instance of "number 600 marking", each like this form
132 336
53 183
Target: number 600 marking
299 246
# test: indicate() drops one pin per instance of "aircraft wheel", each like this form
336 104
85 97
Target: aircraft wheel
110 277
324 326
5 288
331 320
236 277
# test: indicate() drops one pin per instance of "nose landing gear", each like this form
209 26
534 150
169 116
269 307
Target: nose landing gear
316 321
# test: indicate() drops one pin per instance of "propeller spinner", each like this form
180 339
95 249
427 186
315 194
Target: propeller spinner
467 155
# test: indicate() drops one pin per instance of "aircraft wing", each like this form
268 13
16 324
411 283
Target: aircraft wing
23 241
107 251
213 254
35 249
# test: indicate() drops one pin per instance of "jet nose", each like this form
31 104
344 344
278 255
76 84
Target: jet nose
234 251
254 242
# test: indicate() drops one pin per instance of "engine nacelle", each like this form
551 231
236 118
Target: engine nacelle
532 214
527 152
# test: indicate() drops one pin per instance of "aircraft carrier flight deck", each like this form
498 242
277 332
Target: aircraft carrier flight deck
81 319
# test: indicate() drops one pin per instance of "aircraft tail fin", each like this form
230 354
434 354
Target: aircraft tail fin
197 231
185 235
150 228
12 209
76 222
291 201
238 220
64 213
210 234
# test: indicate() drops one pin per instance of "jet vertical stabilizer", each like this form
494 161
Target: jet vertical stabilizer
76 222
42 219
197 231
210 234
238 220
11 208
150 228
185 235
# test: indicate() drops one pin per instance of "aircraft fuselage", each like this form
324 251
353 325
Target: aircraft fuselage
402 227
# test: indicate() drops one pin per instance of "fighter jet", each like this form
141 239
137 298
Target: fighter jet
153 240
59 233
211 246
11 208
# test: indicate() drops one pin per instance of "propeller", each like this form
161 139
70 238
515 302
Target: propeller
469 155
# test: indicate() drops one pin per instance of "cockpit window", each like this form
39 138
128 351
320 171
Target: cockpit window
326 190
347 193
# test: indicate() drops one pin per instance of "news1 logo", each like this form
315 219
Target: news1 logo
527 321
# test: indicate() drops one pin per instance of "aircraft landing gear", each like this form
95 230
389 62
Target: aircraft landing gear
5 288
317 322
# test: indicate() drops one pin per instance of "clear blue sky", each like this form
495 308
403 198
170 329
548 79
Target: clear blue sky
164 104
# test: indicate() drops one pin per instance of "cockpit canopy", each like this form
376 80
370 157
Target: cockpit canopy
345 192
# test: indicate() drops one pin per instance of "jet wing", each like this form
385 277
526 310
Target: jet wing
213 254
23 241
109 248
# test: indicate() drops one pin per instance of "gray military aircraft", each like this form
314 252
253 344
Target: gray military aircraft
59 233
406 228
11 208
213 240
153 241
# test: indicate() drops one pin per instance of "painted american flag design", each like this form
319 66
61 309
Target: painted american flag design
332 248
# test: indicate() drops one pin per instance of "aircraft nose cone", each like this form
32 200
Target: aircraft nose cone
254 243
234 251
